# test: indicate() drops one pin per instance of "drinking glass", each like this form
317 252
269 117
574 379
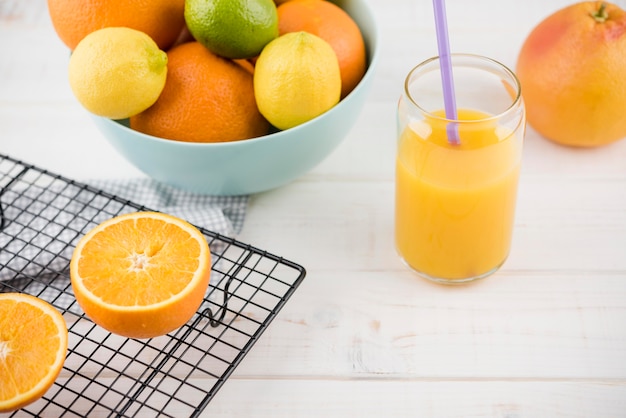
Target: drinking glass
457 178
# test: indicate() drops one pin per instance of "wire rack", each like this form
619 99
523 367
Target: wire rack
42 216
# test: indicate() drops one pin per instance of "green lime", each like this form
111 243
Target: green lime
232 28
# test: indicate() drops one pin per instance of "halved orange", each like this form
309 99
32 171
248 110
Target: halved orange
33 346
142 274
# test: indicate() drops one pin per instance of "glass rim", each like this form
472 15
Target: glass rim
514 103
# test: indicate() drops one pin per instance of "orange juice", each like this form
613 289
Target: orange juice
455 204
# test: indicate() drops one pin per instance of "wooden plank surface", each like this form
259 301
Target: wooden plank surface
362 336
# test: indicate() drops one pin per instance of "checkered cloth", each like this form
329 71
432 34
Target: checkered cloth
22 255
222 214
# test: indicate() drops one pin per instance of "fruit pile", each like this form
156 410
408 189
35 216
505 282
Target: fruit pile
210 70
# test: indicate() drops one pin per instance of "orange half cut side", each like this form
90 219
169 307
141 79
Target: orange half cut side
33 346
141 274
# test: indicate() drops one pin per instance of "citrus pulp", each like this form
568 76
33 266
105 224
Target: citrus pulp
141 274
33 346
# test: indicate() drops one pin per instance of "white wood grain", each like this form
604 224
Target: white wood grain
442 399
402 398
406 398
363 336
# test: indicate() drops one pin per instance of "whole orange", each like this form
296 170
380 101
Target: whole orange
206 98
162 20
572 69
335 26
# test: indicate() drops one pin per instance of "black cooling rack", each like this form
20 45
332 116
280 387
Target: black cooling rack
42 215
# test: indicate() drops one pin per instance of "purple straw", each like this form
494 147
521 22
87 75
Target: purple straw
447 81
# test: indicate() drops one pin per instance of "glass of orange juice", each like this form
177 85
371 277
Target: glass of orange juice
456 179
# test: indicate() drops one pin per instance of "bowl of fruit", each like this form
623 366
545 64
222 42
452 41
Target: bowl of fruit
230 106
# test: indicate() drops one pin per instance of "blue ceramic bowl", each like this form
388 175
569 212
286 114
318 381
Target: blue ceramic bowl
252 165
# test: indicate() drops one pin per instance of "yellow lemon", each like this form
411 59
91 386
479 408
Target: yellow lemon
232 28
117 72
296 79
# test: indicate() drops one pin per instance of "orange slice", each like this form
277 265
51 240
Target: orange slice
142 274
33 345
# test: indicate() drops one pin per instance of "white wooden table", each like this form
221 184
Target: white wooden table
362 336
